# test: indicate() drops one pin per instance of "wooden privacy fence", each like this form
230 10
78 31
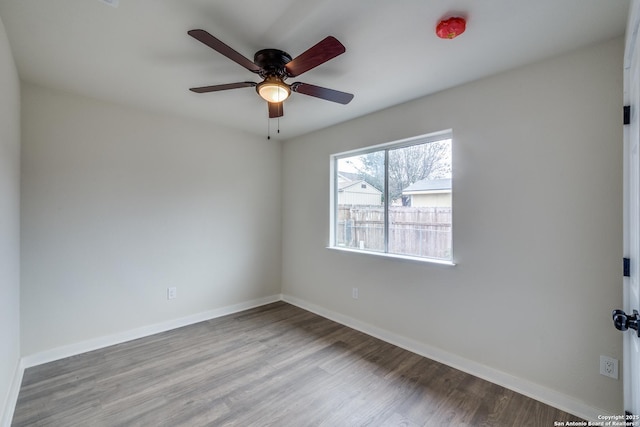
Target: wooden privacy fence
420 231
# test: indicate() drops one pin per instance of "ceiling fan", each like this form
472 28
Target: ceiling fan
274 67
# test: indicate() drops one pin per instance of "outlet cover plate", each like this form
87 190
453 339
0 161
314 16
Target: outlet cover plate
609 367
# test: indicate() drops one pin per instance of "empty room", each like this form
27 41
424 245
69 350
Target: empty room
319 213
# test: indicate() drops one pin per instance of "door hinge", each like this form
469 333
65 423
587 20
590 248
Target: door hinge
626 267
626 115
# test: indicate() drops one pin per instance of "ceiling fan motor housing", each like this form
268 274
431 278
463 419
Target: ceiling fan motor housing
272 62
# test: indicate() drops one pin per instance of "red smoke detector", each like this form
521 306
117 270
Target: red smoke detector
451 28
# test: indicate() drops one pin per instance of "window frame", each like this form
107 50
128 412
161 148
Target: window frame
387 146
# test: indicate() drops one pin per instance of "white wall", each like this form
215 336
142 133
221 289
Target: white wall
538 263
119 204
9 222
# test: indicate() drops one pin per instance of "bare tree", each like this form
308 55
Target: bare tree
407 165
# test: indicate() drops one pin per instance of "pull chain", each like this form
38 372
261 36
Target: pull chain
269 127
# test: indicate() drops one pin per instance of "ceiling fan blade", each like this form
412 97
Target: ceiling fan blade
216 88
318 54
215 44
322 92
275 109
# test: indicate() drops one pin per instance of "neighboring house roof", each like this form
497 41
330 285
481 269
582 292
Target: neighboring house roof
345 184
357 185
347 180
349 176
428 186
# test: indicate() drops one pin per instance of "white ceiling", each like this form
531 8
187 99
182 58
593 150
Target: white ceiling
139 53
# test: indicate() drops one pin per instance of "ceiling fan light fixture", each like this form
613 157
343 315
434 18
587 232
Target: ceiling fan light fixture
273 89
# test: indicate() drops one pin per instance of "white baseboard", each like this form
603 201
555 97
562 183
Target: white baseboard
108 340
12 398
538 392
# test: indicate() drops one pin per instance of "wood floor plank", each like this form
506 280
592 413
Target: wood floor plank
275 365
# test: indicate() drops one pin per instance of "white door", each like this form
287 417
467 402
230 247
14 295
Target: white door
631 294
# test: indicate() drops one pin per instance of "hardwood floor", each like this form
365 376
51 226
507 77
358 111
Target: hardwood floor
275 365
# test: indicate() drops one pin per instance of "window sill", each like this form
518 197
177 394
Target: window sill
394 256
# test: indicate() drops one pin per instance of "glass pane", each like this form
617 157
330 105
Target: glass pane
359 217
420 212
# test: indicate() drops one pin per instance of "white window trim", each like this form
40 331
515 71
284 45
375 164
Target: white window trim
395 256
333 189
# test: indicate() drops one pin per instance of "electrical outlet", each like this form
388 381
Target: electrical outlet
354 293
172 293
609 367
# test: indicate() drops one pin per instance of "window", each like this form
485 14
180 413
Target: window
395 199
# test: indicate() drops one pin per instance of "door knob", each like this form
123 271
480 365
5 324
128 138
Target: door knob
623 321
